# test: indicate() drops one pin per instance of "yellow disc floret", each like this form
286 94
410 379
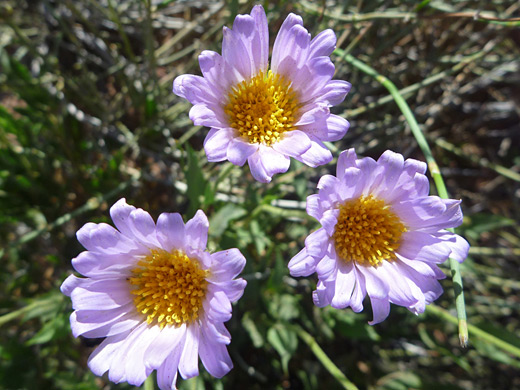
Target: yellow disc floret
169 288
367 231
263 108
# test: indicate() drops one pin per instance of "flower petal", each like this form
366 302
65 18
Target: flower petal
103 238
318 154
327 268
214 355
238 151
345 283
323 44
167 373
313 114
97 266
105 323
316 243
360 291
117 373
424 247
346 159
293 143
273 161
284 40
257 169
205 115
321 296
429 214
234 289
235 53
216 143
252 30
136 370
376 281
380 308
120 214
311 81
216 330
329 221
214 70
101 359
226 265
217 305
164 345
314 206
113 293
193 88
302 264
197 231
189 363
459 246
171 231
143 228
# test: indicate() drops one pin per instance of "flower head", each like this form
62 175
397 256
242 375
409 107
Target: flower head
266 115
155 294
381 235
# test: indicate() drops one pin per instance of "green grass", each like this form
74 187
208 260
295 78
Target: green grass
87 116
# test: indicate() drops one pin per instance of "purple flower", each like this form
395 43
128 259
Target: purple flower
155 294
381 235
261 115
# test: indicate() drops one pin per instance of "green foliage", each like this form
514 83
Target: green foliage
87 116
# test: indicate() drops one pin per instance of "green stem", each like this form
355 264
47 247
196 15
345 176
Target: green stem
323 358
434 171
149 383
477 332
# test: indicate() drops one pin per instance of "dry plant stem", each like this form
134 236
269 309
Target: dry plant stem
501 170
323 358
187 30
121 30
391 14
485 251
477 332
434 171
407 91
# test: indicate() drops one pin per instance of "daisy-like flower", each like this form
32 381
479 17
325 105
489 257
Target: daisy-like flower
266 115
381 235
155 294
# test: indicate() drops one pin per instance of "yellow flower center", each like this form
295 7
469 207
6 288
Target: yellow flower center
367 231
169 288
263 108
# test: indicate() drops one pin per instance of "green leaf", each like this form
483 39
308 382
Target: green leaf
195 181
252 329
284 307
400 380
285 342
54 327
495 353
220 220
478 224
